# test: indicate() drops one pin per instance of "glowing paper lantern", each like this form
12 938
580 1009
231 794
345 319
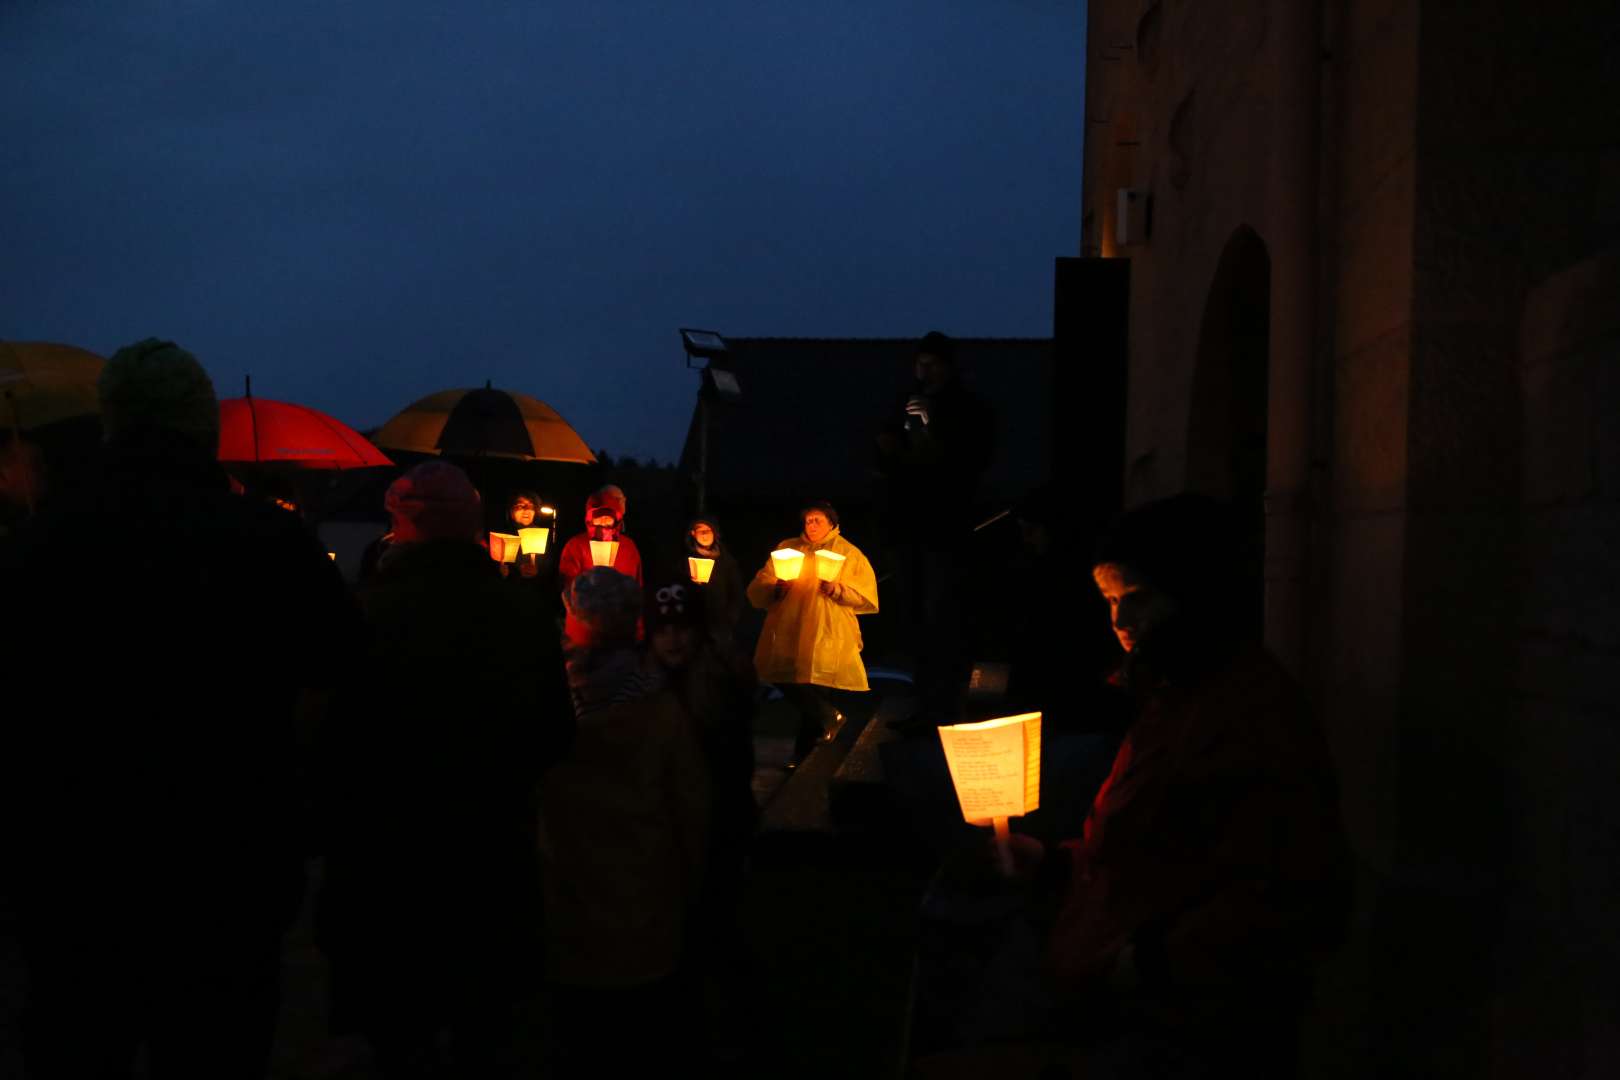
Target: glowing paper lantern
504 547
700 568
603 552
788 563
828 564
533 541
996 770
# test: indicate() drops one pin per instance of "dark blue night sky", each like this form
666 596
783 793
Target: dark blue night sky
363 202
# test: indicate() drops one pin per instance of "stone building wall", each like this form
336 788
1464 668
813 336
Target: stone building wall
1468 157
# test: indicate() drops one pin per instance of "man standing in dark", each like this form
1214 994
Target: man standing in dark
931 452
152 741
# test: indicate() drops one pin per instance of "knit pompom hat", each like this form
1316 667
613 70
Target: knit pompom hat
607 604
433 501
678 603
157 385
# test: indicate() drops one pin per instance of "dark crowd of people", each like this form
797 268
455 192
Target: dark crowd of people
527 773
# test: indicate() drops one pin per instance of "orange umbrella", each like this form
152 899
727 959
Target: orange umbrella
484 423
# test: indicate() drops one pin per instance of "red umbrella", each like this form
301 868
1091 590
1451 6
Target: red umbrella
263 432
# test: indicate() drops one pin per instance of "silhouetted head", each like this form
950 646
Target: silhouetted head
156 387
936 361
1169 571
434 501
675 623
606 604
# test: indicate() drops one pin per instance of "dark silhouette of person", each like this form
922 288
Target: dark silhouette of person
932 451
1062 652
430 906
624 830
1212 873
154 809
723 596
717 688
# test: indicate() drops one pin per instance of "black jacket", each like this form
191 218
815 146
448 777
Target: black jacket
150 759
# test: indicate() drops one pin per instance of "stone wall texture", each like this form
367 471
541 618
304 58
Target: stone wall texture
1462 577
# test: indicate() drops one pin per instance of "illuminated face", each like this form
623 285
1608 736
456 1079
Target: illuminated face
704 536
1136 608
932 372
672 645
816 526
523 513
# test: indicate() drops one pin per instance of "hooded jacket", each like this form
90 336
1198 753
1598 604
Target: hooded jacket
723 598
809 637
575 557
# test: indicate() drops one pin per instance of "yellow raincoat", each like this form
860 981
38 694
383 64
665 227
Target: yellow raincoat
810 637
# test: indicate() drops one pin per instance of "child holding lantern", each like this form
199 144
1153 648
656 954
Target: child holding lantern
603 543
812 588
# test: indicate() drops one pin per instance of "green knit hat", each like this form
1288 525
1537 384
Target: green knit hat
158 385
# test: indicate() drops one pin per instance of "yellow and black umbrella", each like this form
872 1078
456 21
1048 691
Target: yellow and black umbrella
43 383
484 423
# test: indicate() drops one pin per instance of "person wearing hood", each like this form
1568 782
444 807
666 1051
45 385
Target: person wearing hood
604 521
811 641
430 907
723 597
151 762
624 826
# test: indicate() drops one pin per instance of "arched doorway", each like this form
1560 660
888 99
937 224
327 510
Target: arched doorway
1226 433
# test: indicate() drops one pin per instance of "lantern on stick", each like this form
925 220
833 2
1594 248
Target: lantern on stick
828 564
787 563
604 552
996 770
700 569
533 541
504 547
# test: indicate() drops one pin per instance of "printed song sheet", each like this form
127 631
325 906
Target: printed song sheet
995 766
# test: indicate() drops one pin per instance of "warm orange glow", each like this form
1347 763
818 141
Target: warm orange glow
828 564
504 547
549 511
533 541
332 555
604 552
995 766
700 568
788 563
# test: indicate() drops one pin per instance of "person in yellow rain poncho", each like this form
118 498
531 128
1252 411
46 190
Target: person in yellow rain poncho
811 642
